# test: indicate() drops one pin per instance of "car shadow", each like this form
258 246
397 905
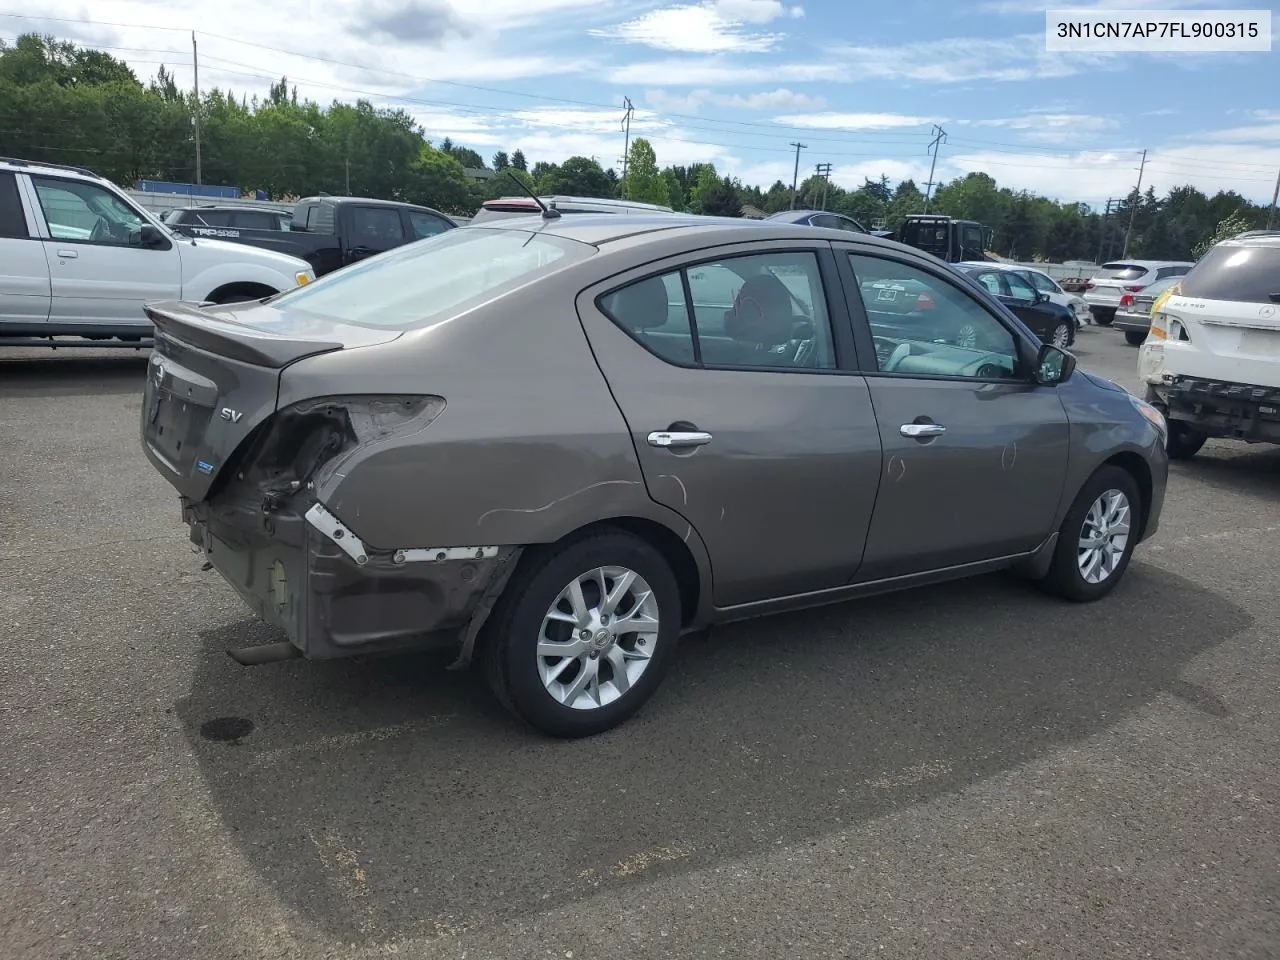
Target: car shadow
389 798
70 373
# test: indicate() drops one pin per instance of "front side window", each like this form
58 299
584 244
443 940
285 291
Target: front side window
761 310
1019 289
87 213
425 225
1043 283
925 326
418 284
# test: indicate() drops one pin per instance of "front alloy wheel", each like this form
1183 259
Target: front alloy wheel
1097 536
1061 336
583 633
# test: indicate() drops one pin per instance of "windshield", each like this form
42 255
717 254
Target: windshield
1240 274
431 279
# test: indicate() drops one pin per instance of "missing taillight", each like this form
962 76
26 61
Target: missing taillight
306 442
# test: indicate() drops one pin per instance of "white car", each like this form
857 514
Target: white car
1211 361
79 258
1108 286
1047 285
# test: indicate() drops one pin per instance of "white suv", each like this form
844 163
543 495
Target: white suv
1212 359
1108 286
79 258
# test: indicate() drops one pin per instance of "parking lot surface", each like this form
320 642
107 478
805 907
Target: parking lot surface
972 770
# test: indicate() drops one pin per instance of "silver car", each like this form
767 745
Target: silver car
555 445
1108 286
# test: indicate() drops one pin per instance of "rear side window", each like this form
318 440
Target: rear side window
255 220
418 284
757 311
1165 272
1239 274
13 223
1043 283
376 226
425 225
1120 271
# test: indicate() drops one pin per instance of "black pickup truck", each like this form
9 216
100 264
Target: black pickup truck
331 232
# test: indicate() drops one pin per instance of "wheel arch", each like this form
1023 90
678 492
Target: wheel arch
1136 466
246 288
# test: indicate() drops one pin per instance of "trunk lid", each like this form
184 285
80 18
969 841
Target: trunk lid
214 377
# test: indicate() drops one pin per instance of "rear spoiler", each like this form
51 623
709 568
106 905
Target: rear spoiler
218 333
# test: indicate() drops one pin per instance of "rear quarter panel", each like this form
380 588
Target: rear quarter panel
529 448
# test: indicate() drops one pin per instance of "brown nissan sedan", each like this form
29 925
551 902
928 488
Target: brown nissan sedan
559 443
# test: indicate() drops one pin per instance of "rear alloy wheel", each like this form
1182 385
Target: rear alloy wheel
1184 442
1061 336
1135 337
583 638
1097 537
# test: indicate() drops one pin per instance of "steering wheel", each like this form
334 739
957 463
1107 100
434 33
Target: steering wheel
901 353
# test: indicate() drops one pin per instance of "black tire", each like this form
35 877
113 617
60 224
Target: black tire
239 298
1184 442
1103 318
1064 578
512 634
1135 337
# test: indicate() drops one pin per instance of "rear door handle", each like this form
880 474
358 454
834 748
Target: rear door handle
918 430
68 254
682 438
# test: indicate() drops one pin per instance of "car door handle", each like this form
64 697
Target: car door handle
918 430
680 438
68 254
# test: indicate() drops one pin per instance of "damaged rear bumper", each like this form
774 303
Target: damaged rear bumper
305 573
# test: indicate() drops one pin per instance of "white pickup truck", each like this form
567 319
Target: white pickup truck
79 259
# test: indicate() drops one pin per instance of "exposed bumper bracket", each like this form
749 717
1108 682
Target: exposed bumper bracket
332 527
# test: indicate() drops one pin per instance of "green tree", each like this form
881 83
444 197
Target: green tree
723 199
501 161
675 189
1227 228
518 161
643 183
578 177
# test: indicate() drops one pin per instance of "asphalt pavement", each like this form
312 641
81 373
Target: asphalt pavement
972 770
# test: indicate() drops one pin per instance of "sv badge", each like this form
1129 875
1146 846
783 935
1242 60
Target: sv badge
233 416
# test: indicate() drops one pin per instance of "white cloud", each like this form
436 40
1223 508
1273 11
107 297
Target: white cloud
969 59
719 72
853 121
713 26
780 99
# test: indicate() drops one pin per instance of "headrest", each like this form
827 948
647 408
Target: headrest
641 306
761 312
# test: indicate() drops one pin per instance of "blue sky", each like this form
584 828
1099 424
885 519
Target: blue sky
735 81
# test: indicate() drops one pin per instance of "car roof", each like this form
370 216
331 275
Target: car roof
42 166
526 202
1254 238
365 202
602 229
1148 264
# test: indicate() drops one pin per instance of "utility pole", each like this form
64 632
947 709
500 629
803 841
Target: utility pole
626 143
348 164
1102 229
1271 214
939 138
1137 199
195 66
795 176
824 171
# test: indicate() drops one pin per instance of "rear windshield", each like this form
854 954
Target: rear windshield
426 281
1240 274
1120 271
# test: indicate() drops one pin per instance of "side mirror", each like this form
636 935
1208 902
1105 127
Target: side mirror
150 236
1041 297
1053 365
